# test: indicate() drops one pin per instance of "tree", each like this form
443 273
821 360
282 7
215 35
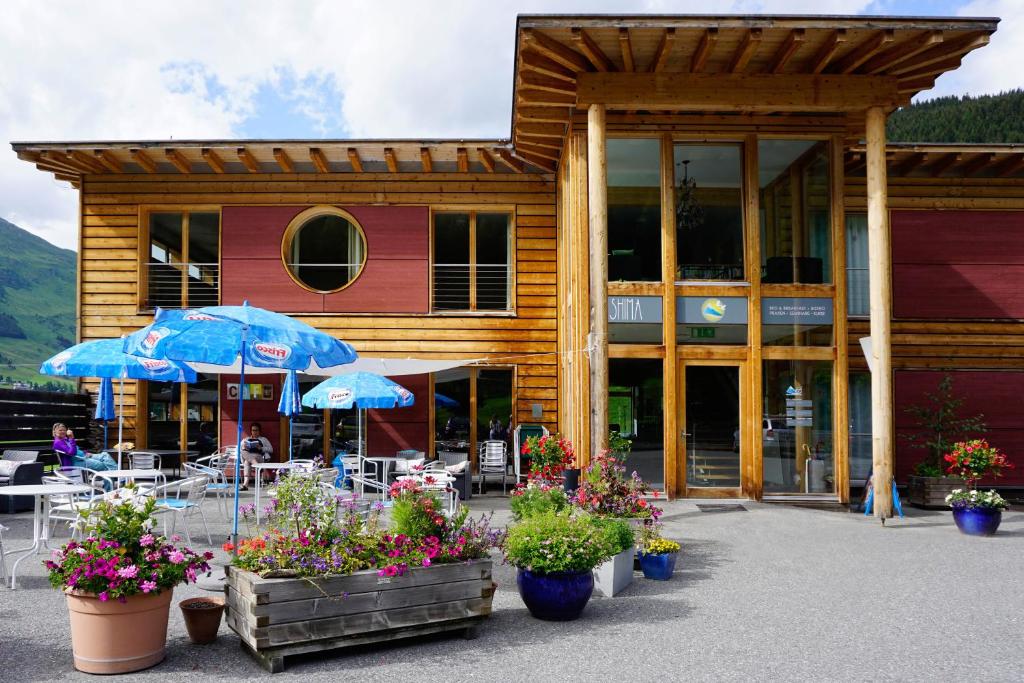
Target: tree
939 426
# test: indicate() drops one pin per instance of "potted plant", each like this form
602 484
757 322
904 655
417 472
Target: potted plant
552 460
119 581
614 575
619 445
938 425
657 555
606 491
322 575
202 618
555 553
536 497
976 513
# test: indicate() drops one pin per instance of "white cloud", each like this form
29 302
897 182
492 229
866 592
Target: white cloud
194 68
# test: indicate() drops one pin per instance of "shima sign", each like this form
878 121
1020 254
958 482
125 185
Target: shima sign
634 309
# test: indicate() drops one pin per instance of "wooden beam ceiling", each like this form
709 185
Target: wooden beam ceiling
626 49
976 164
907 165
827 51
212 159
745 52
1008 166
668 40
794 39
391 159
486 159
178 160
510 161
283 160
248 160
707 43
140 157
900 53
88 161
108 159
354 160
867 49
555 50
597 58
319 159
538 63
942 164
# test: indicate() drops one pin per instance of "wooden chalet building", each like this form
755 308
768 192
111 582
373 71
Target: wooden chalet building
693 225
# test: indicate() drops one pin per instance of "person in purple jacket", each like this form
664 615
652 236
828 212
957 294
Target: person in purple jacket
66 448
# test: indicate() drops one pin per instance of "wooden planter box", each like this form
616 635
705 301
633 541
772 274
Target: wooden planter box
280 617
931 492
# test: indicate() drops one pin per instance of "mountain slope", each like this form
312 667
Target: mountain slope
37 303
987 118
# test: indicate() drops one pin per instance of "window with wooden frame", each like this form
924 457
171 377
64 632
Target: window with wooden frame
180 259
472 260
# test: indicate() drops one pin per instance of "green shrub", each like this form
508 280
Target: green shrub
618 532
550 542
534 500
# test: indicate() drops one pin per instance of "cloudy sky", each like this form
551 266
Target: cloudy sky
108 70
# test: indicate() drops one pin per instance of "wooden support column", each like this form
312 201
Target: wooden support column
597 192
670 408
880 289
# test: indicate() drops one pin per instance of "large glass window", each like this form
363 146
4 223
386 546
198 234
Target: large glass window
795 209
709 212
860 427
857 302
711 320
165 414
183 267
472 261
451 410
464 395
326 251
796 429
635 410
797 321
634 210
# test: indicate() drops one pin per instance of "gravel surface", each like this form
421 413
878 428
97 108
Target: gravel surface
772 593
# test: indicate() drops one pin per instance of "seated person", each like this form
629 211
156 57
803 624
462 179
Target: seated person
255 449
71 455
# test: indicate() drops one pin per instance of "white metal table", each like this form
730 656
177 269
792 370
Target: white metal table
385 461
40 515
259 467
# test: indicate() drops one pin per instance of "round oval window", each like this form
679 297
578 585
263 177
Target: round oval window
324 250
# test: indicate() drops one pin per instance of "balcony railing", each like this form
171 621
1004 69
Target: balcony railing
452 283
177 285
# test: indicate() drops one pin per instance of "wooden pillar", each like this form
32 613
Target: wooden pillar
670 395
880 288
597 192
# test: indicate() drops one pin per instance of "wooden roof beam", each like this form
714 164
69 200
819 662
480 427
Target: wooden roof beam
544 130
934 69
794 39
1007 167
867 49
538 63
248 160
538 161
543 115
178 160
543 98
548 143
898 54
827 51
425 161
212 159
704 48
510 161
546 83
912 86
976 164
595 56
555 50
486 159
283 160
463 159
319 159
626 49
942 164
909 164
90 162
353 160
745 51
391 159
540 152
54 161
943 52
143 159
668 40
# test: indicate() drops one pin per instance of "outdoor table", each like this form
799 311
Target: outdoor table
259 467
117 476
40 515
385 462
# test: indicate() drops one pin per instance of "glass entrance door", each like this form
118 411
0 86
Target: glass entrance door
711 439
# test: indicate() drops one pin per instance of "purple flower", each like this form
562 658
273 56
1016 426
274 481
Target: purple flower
177 557
103 596
148 586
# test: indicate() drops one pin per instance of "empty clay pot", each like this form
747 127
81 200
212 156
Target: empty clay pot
202 618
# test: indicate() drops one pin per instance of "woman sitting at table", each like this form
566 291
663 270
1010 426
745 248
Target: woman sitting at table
66 448
255 449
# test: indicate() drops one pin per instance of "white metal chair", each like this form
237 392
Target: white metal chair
66 507
3 563
492 461
169 500
216 483
143 460
365 473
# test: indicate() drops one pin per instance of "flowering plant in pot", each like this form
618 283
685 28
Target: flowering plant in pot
976 514
555 553
118 582
536 497
606 491
549 456
657 554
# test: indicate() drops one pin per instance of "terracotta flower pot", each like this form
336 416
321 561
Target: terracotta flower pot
202 618
112 637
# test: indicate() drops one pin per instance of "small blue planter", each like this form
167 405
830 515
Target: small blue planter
977 521
559 596
658 567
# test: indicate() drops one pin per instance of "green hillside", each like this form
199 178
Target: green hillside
37 304
987 118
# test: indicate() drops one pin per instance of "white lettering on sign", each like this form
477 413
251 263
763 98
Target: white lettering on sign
624 309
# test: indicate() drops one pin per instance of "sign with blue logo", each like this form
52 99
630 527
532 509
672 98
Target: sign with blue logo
711 310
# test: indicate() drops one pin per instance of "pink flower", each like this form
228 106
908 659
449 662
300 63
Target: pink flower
103 596
129 572
177 557
147 540
148 586
426 561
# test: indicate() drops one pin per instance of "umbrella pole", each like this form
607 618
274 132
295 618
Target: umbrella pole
104 435
290 439
120 424
238 447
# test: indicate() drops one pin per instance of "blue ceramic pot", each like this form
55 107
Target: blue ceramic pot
658 567
977 522
558 596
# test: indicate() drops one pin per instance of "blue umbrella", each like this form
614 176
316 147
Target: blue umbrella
290 403
228 339
106 359
360 390
444 401
105 406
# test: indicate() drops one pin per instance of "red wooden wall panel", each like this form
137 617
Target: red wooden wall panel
388 431
958 264
996 395
394 280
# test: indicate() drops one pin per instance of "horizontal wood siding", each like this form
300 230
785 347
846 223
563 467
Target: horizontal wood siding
111 207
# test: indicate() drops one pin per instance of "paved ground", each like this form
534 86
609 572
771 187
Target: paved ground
774 593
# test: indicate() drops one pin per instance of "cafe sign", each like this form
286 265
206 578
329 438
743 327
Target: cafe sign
634 309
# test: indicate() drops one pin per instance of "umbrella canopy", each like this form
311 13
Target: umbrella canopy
107 358
105 401
291 400
217 339
359 390
443 401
